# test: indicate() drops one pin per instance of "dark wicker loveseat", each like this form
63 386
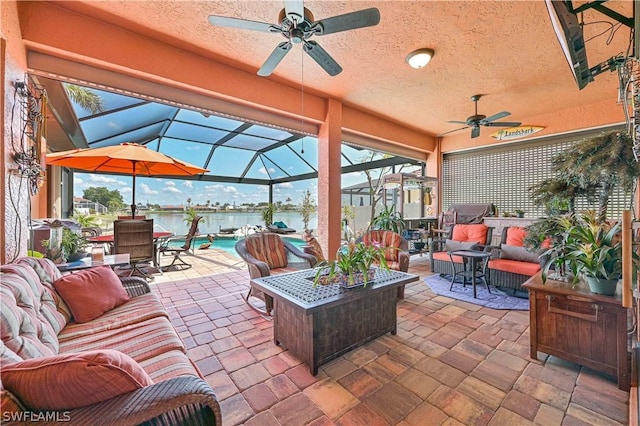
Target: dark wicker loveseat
461 237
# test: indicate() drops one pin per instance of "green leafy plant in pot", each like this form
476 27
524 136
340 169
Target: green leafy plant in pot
353 265
389 220
592 249
73 246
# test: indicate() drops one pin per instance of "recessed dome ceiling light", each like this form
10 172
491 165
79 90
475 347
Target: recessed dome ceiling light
419 58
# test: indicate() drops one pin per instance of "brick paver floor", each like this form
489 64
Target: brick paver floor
450 363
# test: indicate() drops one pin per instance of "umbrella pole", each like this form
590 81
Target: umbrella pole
133 200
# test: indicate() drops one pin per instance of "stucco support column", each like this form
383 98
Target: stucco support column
330 179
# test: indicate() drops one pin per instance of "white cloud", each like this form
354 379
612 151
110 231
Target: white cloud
146 190
264 171
104 179
170 183
287 185
126 190
188 184
172 189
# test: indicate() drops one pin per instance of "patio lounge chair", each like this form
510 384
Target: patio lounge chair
280 228
266 254
164 247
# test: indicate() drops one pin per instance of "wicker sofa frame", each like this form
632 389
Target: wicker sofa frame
184 399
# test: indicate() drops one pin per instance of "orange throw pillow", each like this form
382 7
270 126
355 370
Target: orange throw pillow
66 381
91 292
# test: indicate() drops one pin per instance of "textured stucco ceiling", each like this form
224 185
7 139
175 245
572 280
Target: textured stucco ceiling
506 50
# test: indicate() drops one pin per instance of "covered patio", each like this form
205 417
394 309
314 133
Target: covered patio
451 362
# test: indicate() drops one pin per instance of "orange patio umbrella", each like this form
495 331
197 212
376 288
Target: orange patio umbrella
126 158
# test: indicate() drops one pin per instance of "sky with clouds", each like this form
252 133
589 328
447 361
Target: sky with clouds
178 191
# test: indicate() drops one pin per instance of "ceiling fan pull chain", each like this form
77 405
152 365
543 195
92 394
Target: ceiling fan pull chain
302 99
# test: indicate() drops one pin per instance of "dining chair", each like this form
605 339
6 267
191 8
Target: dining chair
136 238
165 247
446 220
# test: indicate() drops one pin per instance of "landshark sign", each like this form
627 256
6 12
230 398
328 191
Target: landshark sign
515 132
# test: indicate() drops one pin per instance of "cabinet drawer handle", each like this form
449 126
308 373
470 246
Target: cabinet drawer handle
587 317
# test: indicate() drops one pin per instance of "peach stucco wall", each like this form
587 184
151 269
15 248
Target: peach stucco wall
15 197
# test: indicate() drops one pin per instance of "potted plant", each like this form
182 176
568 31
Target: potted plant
592 249
267 213
72 247
307 208
519 213
353 265
389 219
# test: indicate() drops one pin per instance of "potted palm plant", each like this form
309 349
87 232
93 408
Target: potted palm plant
592 249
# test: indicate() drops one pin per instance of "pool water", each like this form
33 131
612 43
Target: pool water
228 244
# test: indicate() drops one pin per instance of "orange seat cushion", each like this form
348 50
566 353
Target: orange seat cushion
444 256
515 236
475 232
514 266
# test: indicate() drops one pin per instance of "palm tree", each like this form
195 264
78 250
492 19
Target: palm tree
86 98
598 165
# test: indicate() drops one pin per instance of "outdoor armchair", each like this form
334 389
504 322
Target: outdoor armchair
266 254
511 263
461 237
396 250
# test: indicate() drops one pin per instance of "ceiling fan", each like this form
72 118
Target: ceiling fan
296 24
477 120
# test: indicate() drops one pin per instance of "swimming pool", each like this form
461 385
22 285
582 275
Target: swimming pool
228 244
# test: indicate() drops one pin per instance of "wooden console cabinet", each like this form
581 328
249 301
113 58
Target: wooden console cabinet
579 326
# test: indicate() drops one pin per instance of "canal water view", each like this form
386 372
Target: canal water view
212 222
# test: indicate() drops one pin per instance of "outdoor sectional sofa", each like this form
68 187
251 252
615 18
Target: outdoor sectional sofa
89 348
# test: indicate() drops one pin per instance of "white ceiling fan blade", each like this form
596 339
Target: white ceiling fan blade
274 59
243 24
294 9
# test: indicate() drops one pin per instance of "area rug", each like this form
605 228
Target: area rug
498 299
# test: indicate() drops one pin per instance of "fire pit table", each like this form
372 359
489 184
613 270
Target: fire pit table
318 324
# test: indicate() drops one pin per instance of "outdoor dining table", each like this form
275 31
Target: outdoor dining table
108 239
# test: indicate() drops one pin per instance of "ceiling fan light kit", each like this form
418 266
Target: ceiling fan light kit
419 58
296 24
